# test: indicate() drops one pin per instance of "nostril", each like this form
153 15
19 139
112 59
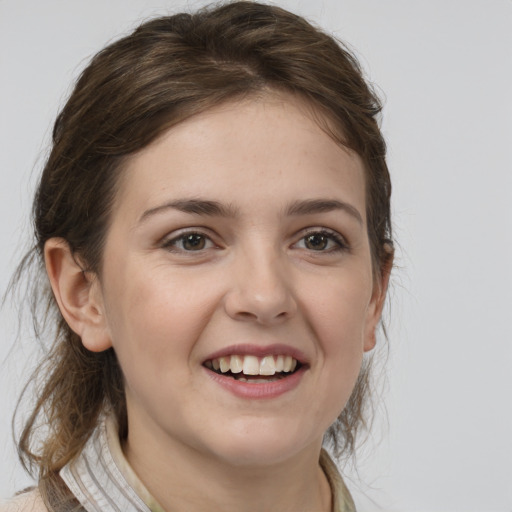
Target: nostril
245 316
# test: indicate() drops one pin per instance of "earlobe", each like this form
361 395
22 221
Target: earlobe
377 301
78 295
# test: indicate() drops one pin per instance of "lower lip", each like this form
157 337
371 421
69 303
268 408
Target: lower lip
255 390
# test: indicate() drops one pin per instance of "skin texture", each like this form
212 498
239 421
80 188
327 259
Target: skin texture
256 279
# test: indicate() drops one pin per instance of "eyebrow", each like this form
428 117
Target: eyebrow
193 206
210 208
312 206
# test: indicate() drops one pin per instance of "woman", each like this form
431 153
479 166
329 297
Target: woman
214 222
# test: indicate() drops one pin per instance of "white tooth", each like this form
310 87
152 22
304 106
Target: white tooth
236 364
294 365
279 363
215 364
287 363
224 364
267 366
242 379
251 365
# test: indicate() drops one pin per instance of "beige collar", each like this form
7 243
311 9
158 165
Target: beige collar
103 481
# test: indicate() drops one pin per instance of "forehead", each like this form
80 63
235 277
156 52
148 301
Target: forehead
269 148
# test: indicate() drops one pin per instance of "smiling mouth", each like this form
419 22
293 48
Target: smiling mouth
254 369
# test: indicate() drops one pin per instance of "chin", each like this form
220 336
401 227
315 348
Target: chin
258 444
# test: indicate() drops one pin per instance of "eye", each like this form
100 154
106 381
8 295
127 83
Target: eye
322 241
189 242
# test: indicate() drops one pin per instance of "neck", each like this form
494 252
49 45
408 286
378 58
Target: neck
171 475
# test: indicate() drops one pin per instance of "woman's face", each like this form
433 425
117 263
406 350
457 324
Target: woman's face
239 240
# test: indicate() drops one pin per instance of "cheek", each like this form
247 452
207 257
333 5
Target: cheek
337 316
339 310
159 318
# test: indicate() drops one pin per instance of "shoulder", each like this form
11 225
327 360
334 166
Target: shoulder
30 501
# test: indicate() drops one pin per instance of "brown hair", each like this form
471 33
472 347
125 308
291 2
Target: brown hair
167 70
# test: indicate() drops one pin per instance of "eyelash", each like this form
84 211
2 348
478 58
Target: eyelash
339 241
171 244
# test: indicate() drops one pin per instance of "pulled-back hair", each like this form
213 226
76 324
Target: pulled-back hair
167 70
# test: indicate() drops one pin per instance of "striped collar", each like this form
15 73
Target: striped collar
102 480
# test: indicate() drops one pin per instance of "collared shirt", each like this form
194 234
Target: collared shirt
102 480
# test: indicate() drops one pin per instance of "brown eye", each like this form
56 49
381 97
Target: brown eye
193 242
188 242
316 242
322 241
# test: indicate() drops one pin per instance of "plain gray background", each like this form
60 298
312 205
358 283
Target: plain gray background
445 69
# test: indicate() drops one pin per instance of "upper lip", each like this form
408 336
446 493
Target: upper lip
259 351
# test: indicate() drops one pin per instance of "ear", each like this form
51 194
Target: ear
374 313
78 294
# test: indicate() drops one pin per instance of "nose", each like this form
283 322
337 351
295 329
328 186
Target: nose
261 289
